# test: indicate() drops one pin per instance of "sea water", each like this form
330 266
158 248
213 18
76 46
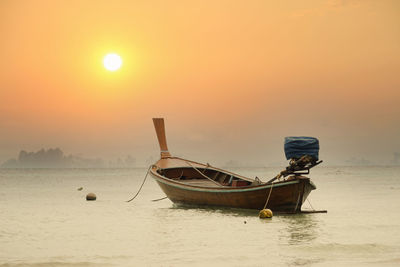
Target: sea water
46 221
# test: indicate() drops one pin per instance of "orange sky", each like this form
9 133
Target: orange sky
232 78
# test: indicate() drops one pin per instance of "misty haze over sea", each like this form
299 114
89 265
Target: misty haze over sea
56 158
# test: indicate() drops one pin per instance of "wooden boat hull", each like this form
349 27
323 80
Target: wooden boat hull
287 196
193 183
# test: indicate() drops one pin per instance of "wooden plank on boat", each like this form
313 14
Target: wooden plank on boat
199 182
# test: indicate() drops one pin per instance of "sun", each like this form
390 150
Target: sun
112 62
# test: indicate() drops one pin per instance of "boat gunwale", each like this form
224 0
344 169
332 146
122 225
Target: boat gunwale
222 189
206 166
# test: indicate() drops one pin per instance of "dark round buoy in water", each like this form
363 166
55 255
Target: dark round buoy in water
90 196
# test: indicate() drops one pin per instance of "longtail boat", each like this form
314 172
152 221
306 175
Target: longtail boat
193 183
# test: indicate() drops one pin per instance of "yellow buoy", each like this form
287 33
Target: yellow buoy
265 213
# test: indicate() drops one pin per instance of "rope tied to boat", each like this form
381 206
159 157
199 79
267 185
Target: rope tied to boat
269 195
202 174
159 199
266 213
144 180
310 204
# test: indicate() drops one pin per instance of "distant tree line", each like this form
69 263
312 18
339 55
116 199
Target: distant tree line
55 158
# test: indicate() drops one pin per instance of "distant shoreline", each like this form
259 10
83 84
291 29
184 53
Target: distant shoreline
144 167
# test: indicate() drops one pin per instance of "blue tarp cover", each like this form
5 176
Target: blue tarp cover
298 146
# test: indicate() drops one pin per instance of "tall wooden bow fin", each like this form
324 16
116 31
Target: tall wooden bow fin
162 140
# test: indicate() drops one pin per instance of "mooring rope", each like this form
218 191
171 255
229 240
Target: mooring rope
205 176
154 200
310 204
297 203
144 180
266 202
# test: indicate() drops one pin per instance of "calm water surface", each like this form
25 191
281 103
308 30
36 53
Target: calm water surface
46 221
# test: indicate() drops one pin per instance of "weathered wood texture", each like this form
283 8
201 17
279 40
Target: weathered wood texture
162 139
285 196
